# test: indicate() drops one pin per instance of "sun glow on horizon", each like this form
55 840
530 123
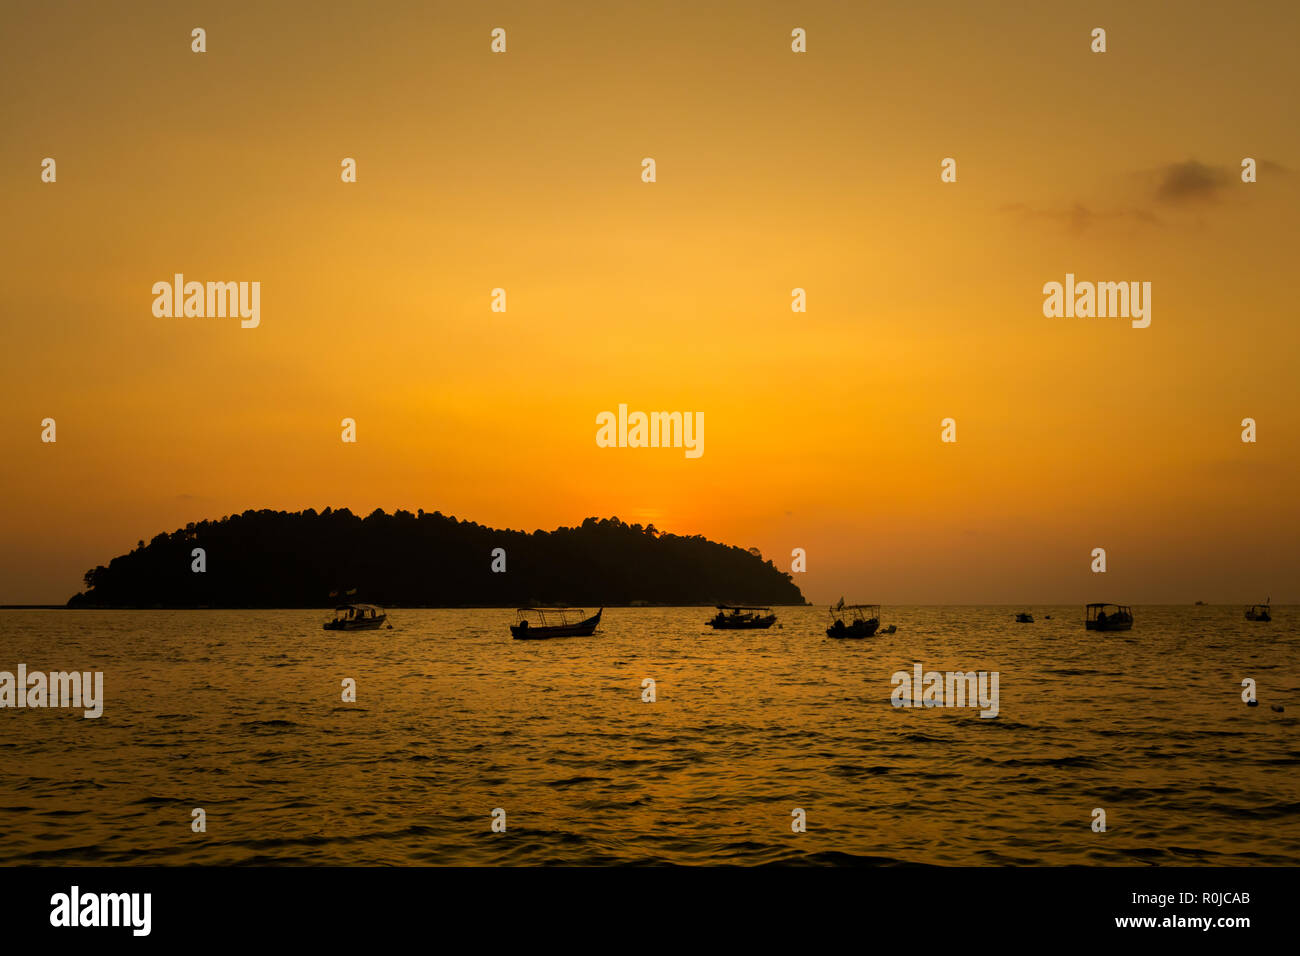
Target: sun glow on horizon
774 172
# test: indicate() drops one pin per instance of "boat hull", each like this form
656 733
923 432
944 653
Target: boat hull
1259 617
760 624
1108 626
370 624
857 629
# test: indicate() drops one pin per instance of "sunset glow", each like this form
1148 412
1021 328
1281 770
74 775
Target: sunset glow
774 172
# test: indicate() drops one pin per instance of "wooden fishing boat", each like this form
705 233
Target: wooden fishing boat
1108 617
356 617
742 617
538 623
1024 617
864 620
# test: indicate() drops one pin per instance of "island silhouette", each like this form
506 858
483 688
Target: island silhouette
262 559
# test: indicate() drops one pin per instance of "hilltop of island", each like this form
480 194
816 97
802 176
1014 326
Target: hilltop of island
268 558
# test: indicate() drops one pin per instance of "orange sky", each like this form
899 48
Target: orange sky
775 170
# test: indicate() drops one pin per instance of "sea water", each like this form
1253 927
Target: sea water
656 741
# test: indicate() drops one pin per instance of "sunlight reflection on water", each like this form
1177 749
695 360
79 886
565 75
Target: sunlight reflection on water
239 712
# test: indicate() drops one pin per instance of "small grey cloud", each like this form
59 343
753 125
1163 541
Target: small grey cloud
1077 218
1189 183
1180 182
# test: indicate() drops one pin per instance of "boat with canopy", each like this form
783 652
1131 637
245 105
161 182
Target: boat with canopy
536 623
1108 617
854 620
356 617
1260 612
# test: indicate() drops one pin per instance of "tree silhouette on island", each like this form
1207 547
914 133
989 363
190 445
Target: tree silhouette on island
269 558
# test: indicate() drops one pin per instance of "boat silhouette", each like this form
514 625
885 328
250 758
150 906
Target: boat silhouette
356 617
1108 617
742 617
1259 612
865 620
539 623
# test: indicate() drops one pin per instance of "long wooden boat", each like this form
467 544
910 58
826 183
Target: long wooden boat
742 617
538 623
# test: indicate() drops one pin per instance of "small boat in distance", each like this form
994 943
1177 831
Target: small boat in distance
1259 612
537 623
742 617
1024 617
1108 617
356 617
865 620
